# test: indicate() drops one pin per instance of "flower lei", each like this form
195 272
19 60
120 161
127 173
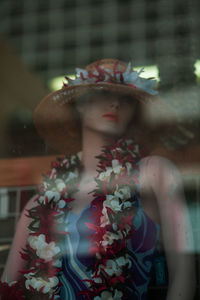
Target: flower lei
111 225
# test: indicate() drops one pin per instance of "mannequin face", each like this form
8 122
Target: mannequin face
107 114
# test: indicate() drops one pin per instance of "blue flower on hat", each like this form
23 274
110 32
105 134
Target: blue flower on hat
106 75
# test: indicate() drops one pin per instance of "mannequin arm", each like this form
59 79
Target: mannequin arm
176 230
14 261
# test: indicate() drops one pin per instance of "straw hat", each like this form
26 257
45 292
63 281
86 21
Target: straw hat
56 118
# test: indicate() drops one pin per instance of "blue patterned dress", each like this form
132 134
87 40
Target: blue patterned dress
77 261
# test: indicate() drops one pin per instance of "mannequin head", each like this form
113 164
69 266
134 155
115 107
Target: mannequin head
106 113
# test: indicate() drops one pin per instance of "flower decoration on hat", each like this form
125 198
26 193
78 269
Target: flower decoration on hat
113 75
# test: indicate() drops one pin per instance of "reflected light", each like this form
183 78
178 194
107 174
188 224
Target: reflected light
57 82
149 71
197 69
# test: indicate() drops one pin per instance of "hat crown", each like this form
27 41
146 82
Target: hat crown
110 64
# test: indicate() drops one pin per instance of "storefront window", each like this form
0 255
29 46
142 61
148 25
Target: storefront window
42 42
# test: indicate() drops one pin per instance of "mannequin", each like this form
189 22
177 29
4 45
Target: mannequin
106 116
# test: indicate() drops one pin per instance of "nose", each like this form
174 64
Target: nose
115 103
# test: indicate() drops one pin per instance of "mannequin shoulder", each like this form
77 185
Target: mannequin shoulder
153 168
155 162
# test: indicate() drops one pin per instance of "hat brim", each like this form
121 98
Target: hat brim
57 121
71 93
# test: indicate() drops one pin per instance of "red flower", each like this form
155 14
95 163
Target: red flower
13 292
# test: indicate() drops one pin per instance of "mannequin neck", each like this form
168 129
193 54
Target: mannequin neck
92 145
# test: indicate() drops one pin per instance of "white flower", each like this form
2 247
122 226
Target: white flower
44 250
41 200
83 71
132 77
118 200
61 204
104 218
45 185
37 283
105 176
73 159
65 162
124 233
122 261
105 295
112 202
129 77
60 185
34 241
53 173
114 226
108 238
117 168
112 268
49 195
52 195
97 279
123 193
48 251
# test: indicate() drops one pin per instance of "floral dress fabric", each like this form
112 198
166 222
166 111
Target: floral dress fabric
77 261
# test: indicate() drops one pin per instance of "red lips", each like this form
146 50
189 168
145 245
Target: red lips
111 116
